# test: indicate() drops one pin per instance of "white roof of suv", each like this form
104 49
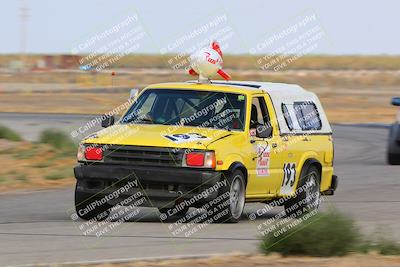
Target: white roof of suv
285 94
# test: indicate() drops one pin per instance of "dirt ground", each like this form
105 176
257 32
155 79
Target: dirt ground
341 105
356 260
349 96
26 165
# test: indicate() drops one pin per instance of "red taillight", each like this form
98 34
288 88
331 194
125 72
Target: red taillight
93 153
195 159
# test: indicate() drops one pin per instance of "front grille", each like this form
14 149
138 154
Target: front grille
143 156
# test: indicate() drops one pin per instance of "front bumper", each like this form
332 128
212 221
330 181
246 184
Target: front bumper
161 186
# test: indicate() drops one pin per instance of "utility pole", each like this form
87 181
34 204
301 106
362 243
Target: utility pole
23 16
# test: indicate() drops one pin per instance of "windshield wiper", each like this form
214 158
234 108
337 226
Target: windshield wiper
145 118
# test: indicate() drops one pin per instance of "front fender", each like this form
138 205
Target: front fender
228 161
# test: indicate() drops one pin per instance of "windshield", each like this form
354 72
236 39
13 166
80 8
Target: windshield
188 107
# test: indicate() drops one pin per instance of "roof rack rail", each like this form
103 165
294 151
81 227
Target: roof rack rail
238 84
231 83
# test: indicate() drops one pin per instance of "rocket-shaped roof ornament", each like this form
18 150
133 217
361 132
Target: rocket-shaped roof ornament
208 62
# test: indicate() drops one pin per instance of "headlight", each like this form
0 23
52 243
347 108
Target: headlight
89 152
199 159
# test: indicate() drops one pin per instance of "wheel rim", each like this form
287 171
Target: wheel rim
236 197
313 195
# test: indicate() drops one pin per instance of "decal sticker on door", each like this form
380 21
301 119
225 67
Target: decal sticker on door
262 166
185 138
289 177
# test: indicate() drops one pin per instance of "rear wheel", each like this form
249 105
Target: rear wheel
229 205
89 206
308 195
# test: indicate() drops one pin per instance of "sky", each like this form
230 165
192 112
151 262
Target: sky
343 27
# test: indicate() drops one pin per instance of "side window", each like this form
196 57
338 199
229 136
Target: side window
259 112
287 117
264 111
307 115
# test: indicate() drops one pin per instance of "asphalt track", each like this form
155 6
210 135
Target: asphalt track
35 227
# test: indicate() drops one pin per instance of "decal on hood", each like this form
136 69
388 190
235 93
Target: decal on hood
185 138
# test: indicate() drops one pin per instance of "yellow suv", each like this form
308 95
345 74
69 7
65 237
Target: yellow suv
213 146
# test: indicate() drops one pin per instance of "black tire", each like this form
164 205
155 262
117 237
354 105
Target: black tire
393 159
308 195
393 155
231 200
83 202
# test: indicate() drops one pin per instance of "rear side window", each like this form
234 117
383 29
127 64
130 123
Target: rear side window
307 116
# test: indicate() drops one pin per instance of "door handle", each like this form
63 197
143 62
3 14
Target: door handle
306 139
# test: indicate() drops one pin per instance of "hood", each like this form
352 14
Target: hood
158 136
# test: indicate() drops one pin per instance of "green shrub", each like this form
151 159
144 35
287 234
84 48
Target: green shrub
60 174
7 133
21 178
385 247
324 234
26 154
58 139
41 165
55 176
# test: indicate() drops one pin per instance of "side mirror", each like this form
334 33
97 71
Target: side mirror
133 93
264 131
107 121
396 101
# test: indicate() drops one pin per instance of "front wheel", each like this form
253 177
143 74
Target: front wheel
229 205
89 206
